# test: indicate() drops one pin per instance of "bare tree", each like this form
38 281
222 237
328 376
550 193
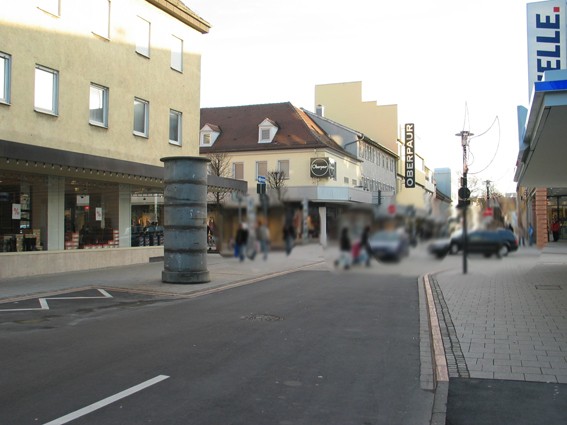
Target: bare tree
219 166
276 182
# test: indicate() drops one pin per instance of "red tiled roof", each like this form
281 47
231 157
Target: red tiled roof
239 128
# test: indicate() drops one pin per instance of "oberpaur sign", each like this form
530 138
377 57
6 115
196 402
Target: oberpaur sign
410 155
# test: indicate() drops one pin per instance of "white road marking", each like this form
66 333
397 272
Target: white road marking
45 306
109 400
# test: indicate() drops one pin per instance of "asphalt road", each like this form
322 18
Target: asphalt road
312 347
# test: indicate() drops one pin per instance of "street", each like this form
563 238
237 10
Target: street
311 347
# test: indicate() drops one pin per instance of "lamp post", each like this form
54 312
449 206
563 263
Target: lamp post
464 194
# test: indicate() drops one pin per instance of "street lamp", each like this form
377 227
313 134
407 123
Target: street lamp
464 194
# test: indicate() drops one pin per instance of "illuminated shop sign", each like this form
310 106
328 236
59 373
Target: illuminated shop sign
546 38
410 155
322 168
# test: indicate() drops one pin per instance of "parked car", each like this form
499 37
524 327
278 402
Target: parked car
439 247
389 244
486 242
510 239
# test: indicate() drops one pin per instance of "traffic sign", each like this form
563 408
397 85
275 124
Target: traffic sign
488 212
262 179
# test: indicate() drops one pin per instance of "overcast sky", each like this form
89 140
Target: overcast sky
448 65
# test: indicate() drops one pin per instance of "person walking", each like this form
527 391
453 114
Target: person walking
289 236
555 229
345 247
365 245
263 236
241 240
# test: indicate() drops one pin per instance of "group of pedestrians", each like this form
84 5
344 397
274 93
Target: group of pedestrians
246 243
354 253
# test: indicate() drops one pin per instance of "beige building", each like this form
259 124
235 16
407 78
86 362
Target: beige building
320 178
92 95
342 102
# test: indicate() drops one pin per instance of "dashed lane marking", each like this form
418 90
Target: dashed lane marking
105 402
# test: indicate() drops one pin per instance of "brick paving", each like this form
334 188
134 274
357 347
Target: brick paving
507 319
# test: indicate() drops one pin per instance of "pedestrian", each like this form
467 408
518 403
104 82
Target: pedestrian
365 245
345 247
556 229
263 236
289 236
241 240
531 234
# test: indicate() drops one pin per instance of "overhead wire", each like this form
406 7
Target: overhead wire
496 120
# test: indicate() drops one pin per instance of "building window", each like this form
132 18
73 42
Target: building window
143 37
345 180
238 170
283 166
353 182
264 134
46 90
5 73
98 105
100 17
175 127
176 53
206 139
261 168
141 117
50 6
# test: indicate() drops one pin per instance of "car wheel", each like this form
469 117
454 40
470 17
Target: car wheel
502 251
454 249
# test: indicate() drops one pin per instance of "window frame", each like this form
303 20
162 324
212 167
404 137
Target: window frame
236 165
179 116
105 102
54 110
6 81
146 131
286 173
101 13
258 165
145 49
176 59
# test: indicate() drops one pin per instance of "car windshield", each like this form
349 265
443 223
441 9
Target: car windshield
385 235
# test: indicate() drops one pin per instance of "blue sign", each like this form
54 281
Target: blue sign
262 179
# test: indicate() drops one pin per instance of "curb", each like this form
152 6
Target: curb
432 344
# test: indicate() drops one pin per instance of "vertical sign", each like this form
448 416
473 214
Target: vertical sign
410 155
547 42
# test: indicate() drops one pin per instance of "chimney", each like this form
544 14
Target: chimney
320 111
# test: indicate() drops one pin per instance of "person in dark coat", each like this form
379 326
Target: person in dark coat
365 245
345 247
241 240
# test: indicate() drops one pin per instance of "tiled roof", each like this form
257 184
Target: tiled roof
239 128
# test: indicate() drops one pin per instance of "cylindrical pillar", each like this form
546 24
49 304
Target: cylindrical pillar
185 220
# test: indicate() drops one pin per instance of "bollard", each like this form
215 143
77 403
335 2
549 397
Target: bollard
185 220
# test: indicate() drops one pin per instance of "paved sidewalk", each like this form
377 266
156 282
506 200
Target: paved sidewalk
509 316
504 332
146 278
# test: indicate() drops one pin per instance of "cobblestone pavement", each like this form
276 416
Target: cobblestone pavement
506 319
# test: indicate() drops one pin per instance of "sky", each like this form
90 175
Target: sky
448 65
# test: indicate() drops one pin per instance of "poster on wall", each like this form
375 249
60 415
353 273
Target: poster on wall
16 211
98 214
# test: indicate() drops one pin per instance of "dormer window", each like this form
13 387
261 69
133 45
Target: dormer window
267 131
208 135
